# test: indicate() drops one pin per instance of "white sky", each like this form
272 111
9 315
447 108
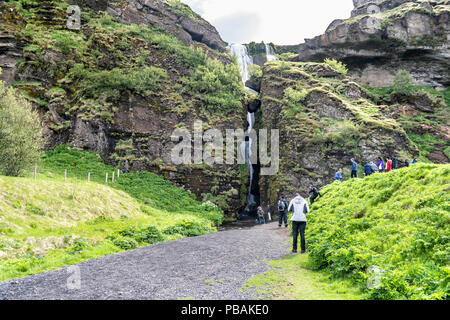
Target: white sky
278 21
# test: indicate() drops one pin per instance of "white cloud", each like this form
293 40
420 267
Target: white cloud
280 21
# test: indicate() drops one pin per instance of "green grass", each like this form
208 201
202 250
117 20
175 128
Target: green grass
398 222
47 223
293 278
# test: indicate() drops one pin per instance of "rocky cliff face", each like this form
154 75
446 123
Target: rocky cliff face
171 15
325 119
385 36
121 89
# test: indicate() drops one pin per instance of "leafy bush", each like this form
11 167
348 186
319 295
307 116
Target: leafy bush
20 133
190 228
396 222
218 85
337 66
403 83
149 234
125 243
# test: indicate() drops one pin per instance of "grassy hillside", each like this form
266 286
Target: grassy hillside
382 237
397 222
48 223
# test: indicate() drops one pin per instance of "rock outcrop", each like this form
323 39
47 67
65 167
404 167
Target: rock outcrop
122 83
324 119
173 16
385 36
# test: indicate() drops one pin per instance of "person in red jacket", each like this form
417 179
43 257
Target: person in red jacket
388 164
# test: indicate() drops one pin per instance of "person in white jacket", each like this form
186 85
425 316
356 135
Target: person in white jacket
299 207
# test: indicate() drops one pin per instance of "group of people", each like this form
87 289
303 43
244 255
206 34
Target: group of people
371 167
299 206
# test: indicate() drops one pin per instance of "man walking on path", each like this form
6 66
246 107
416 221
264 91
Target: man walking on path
354 169
300 208
282 212
315 193
338 175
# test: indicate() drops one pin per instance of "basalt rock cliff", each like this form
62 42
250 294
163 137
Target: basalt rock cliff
384 36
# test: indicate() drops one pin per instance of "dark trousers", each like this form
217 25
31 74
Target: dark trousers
282 215
354 174
312 198
298 227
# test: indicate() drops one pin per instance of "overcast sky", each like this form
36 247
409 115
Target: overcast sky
277 21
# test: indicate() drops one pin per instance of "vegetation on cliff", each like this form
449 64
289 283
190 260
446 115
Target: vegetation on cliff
325 119
128 80
423 113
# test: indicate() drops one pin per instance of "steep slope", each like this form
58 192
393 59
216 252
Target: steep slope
385 36
48 223
122 83
374 233
324 119
389 232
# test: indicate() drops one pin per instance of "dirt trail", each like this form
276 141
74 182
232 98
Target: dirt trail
214 266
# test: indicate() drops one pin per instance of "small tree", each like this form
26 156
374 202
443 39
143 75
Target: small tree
20 132
403 82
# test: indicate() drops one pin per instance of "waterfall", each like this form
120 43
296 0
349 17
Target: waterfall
270 53
245 62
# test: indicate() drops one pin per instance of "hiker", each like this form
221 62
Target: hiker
300 208
395 163
269 212
373 166
126 167
414 161
338 175
388 164
282 212
261 218
380 165
315 193
354 169
406 163
367 169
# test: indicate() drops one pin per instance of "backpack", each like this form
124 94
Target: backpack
281 205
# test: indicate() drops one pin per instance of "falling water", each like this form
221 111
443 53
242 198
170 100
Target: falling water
245 62
270 53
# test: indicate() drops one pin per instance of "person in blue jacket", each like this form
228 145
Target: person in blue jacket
354 169
338 175
367 169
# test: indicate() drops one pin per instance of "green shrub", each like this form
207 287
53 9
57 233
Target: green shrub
189 228
20 133
218 85
403 83
337 66
149 234
125 243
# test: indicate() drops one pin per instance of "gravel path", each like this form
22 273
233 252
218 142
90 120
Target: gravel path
214 266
